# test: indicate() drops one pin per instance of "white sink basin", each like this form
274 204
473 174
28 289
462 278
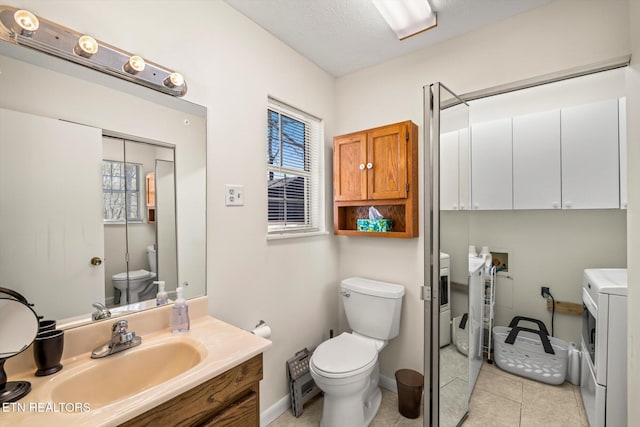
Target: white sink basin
100 382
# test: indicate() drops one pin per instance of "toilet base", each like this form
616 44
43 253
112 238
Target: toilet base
358 413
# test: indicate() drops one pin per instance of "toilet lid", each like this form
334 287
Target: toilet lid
344 354
133 275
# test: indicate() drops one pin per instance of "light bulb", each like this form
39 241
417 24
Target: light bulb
86 46
26 22
174 80
134 65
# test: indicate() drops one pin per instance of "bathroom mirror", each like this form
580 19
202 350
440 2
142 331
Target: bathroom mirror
138 182
76 108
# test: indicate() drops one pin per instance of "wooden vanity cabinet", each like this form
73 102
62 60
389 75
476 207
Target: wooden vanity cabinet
377 167
231 399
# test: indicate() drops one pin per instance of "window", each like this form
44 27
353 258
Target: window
294 171
121 191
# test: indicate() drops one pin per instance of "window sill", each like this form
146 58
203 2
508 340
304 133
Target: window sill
295 235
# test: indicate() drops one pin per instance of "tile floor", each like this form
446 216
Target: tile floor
499 399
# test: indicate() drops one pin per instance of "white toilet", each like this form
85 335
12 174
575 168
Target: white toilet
345 368
138 279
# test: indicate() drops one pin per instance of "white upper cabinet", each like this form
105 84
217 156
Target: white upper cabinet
454 170
536 161
590 157
622 129
449 171
491 165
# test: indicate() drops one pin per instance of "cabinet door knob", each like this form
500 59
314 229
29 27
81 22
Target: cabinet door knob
369 165
361 166
462 207
567 204
555 205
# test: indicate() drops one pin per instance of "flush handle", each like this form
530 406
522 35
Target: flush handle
345 294
96 260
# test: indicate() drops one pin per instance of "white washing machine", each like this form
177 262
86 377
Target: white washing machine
445 300
603 377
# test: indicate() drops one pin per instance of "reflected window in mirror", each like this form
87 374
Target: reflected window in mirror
121 192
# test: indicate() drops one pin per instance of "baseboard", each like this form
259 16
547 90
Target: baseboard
388 383
274 411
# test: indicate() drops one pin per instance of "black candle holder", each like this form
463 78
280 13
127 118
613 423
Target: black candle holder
46 325
47 352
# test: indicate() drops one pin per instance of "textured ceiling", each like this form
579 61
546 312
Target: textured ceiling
342 36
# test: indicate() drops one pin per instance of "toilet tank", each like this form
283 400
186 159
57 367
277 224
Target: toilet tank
151 255
372 307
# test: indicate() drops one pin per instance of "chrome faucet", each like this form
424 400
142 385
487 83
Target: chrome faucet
101 312
120 340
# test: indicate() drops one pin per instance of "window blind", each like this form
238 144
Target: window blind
294 174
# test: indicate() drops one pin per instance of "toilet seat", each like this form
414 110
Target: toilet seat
346 355
133 275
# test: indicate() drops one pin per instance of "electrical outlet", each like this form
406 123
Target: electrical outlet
234 195
544 292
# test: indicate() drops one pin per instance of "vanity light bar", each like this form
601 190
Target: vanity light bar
24 28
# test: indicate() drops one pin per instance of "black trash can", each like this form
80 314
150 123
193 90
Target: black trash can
410 384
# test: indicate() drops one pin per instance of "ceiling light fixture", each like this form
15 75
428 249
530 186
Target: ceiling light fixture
24 28
407 17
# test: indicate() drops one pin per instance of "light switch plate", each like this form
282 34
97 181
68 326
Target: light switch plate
234 195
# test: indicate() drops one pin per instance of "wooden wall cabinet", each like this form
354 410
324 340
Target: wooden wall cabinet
377 167
229 400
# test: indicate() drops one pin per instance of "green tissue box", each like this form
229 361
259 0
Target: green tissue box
378 225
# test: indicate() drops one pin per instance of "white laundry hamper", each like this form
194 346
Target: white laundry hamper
529 352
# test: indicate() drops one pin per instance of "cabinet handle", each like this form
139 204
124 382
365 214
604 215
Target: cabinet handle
476 206
567 204
462 207
455 207
361 166
369 165
555 205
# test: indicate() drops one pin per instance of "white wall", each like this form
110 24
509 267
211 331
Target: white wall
231 66
633 215
562 35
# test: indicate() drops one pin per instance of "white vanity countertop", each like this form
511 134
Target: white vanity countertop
225 346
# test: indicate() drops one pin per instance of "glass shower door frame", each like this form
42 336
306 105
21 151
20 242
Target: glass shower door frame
433 104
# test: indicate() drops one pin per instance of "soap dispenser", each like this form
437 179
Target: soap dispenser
161 296
180 314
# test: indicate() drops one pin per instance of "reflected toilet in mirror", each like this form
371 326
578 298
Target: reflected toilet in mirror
140 282
18 329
